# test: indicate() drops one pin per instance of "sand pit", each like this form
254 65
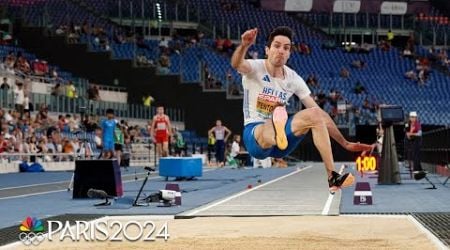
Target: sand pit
301 232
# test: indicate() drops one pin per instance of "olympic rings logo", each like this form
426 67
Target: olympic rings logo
31 238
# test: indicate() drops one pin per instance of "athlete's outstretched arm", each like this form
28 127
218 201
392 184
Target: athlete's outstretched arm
238 61
334 131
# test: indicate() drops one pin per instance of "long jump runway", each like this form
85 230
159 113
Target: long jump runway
303 192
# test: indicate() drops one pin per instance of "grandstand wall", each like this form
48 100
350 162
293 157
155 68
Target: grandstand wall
169 91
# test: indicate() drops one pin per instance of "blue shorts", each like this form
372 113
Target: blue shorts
259 153
108 146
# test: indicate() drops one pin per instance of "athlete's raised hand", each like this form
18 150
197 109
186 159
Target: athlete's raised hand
249 37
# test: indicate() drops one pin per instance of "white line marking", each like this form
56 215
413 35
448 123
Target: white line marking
33 185
327 206
56 191
439 244
26 195
65 190
56 182
198 210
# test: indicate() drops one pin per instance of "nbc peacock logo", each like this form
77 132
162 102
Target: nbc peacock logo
31 231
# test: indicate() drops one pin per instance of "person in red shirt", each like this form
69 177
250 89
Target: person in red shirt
160 131
414 137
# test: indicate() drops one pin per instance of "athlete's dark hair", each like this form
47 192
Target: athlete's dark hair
280 31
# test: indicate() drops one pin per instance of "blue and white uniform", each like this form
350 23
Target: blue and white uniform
262 93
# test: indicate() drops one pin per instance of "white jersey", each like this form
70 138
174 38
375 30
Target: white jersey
262 93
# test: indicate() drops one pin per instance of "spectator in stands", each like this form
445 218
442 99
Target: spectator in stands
98 138
312 81
233 89
73 122
51 145
42 145
93 93
31 147
364 48
5 84
19 96
148 100
85 28
119 37
407 53
63 124
67 148
6 38
163 45
253 54
219 44
443 58
321 99
367 111
359 88
53 74
411 75
27 105
22 64
141 60
164 64
42 115
423 77
228 46
303 48
358 64
71 90
140 42
344 73
10 61
40 68
73 35
3 143
385 46
390 37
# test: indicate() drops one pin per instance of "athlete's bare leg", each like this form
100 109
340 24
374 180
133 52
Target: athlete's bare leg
302 122
308 119
159 149
165 149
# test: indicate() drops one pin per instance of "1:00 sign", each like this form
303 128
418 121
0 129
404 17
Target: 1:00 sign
366 163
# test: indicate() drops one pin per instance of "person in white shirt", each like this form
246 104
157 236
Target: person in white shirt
268 85
241 156
19 98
